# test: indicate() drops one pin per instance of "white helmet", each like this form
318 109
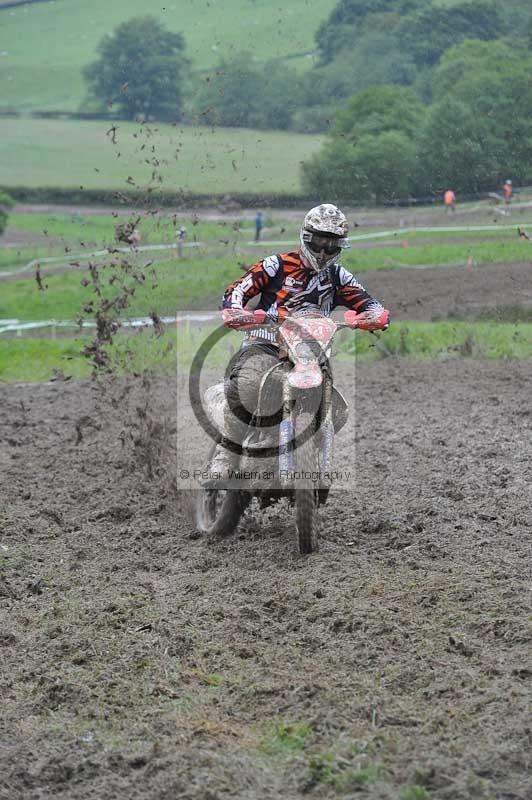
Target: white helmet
323 236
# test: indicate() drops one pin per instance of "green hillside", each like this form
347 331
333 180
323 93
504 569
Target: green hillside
72 153
44 46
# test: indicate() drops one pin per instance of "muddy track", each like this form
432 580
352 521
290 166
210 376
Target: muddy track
142 661
431 293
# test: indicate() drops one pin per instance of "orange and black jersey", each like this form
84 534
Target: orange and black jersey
286 286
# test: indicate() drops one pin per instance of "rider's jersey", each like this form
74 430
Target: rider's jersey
286 287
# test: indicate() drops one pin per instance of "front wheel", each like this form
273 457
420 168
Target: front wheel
305 491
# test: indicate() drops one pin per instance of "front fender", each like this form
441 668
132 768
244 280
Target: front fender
340 410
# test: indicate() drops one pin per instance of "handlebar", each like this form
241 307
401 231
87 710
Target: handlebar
242 319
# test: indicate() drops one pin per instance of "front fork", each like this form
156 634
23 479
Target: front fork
326 427
287 431
286 438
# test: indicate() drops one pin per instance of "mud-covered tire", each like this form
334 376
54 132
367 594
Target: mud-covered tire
218 511
305 493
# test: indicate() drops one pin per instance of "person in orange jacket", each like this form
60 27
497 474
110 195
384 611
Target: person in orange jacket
449 200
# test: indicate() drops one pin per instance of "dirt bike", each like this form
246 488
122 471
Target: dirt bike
312 412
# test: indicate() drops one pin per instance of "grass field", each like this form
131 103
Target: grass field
60 234
72 153
40 359
97 231
45 46
172 286
66 236
54 234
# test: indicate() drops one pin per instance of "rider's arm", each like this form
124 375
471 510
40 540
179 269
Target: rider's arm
351 294
252 283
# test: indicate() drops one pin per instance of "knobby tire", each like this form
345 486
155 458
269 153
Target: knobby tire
218 511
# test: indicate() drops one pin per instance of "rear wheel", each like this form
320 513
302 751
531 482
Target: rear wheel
218 511
306 491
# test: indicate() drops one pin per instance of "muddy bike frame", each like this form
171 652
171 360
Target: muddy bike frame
303 362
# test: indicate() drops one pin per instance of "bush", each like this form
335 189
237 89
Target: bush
377 169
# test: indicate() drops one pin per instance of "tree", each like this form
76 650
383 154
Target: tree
478 130
241 92
330 173
471 57
431 31
456 148
385 166
386 143
375 58
343 26
378 110
141 69
6 202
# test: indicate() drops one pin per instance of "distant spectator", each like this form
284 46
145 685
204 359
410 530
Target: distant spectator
258 225
449 200
508 191
181 237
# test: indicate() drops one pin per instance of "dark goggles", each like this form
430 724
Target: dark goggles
318 243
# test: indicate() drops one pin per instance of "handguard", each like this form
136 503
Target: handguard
362 322
242 319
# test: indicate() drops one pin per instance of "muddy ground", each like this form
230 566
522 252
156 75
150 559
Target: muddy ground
437 292
140 660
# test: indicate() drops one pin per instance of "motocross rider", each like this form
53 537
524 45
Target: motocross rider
308 280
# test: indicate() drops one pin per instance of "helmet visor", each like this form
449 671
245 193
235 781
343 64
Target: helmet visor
323 243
